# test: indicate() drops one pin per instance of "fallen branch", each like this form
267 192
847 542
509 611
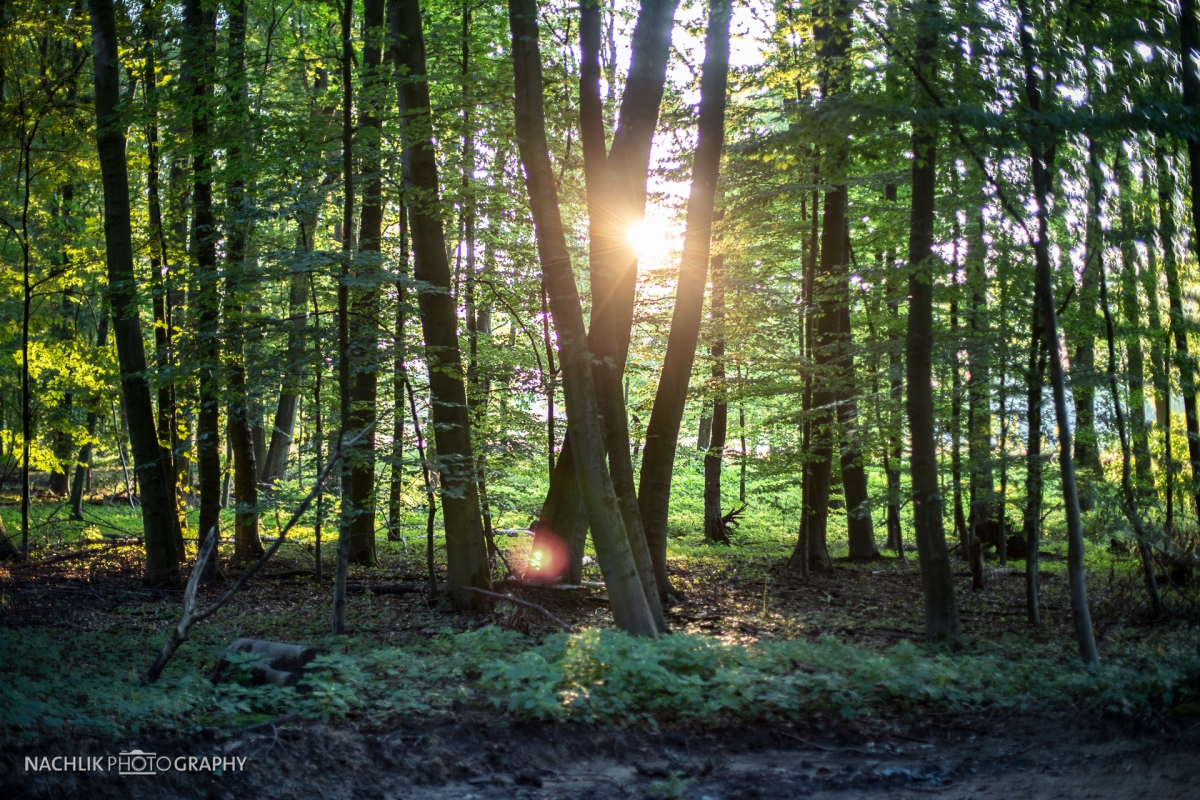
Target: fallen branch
386 588
520 602
190 617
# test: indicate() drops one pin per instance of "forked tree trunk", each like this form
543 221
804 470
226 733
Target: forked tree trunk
630 608
158 513
465 545
937 581
617 193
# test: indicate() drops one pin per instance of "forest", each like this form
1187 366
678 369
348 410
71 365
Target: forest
379 371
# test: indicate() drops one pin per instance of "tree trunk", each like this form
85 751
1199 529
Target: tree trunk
628 600
346 509
465 546
238 226
1083 366
616 188
1128 493
1035 378
832 356
960 519
399 370
85 453
158 513
662 432
937 582
1179 324
1160 345
979 390
1135 365
714 527
364 295
1045 283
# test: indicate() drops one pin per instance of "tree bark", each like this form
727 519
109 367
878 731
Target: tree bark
1045 283
364 295
1083 366
85 453
714 526
1183 358
1035 378
979 390
662 432
628 600
238 226
466 549
616 188
937 582
158 513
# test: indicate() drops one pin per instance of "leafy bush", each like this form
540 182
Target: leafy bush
612 678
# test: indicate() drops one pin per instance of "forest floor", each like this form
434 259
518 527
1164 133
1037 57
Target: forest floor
77 621
1033 755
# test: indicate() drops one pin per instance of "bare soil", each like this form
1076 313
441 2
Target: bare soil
1031 756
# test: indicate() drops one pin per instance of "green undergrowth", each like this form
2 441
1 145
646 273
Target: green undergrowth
90 684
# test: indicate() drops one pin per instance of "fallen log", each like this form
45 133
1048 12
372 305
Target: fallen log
285 668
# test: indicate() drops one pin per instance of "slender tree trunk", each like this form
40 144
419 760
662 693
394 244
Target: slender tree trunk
628 599
714 527
1183 358
979 389
345 420
1135 357
1083 366
1160 345
399 370
1035 378
1128 493
662 432
1045 282
246 544
465 544
365 310
84 464
158 513
937 582
960 519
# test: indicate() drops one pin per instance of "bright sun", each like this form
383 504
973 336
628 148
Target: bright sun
647 239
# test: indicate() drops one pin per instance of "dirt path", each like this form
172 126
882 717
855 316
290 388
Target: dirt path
1042 756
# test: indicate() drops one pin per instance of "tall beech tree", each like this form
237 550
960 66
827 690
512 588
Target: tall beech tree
631 611
616 198
662 432
933 557
466 550
158 512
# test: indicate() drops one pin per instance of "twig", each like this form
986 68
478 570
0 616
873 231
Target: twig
190 617
526 603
